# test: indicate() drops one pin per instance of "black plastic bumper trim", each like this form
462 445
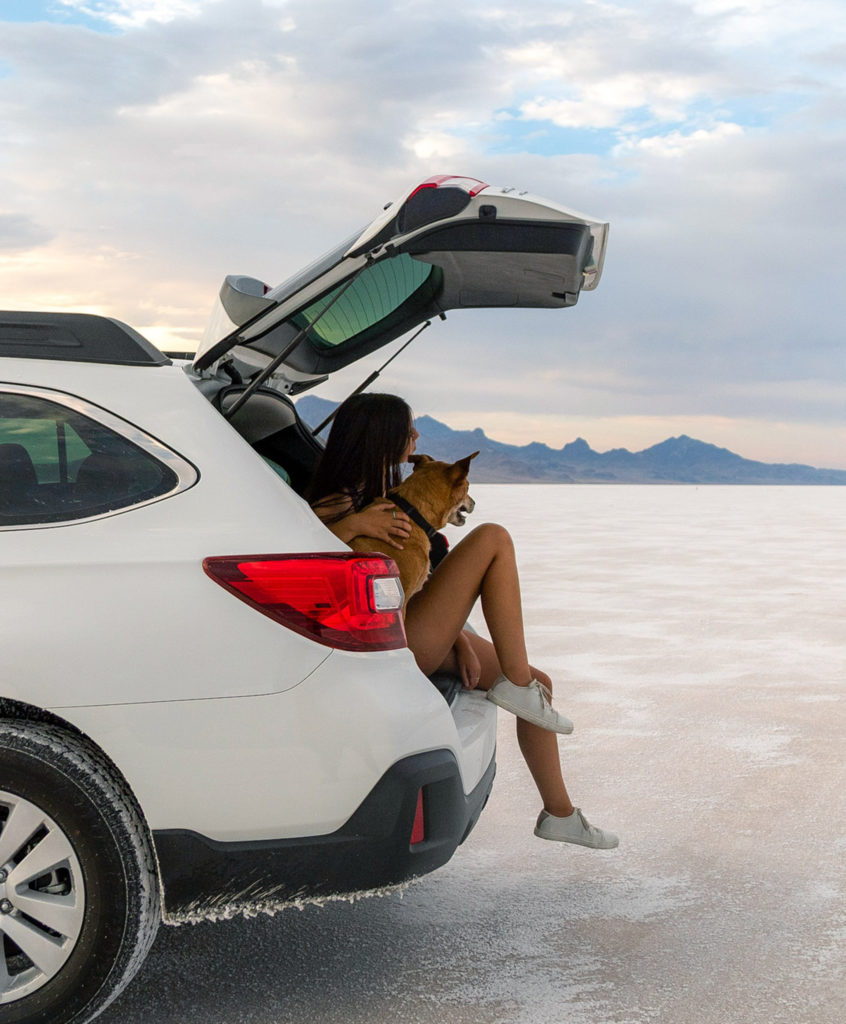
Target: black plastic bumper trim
371 850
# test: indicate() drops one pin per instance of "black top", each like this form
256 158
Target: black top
76 338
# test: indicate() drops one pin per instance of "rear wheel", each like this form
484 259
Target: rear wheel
79 898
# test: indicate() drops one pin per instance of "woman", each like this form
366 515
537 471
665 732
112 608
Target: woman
372 436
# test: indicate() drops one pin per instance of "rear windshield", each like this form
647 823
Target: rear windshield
382 292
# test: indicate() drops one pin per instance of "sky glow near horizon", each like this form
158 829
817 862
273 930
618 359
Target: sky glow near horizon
153 146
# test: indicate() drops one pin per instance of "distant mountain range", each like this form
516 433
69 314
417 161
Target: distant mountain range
678 460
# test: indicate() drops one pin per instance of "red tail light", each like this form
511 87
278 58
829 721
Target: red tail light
341 599
470 185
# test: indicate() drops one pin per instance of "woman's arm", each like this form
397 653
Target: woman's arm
467 661
381 519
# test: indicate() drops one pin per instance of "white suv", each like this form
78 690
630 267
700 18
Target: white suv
206 701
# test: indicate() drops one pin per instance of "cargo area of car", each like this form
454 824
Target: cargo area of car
269 423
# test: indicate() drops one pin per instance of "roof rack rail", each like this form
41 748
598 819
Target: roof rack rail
77 338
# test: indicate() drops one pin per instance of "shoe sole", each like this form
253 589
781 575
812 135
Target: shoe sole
574 842
564 729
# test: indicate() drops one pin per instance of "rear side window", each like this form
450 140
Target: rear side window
59 463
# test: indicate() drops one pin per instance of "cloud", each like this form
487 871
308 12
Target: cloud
161 145
677 144
608 102
768 23
19 233
127 14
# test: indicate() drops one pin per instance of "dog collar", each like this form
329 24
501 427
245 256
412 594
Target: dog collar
414 514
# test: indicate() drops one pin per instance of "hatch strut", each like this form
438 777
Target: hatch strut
257 382
366 383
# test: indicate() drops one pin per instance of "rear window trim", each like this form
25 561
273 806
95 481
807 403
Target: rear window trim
185 471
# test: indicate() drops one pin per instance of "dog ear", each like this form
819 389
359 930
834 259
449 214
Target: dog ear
462 467
419 460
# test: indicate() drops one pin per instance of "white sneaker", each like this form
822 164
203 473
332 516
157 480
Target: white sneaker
530 702
575 828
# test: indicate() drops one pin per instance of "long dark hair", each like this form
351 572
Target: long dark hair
362 457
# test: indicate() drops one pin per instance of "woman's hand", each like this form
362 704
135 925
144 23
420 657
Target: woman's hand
380 519
469 666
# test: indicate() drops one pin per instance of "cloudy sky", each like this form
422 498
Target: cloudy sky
149 147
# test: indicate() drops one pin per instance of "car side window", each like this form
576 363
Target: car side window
58 464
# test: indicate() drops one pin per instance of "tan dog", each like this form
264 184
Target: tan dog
438 493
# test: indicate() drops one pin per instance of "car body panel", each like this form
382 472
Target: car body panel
287 764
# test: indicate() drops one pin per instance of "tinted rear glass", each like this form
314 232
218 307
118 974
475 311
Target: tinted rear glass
57 464
376 296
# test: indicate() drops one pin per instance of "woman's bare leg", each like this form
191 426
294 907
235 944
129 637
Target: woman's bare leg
539 747
482 566
540 751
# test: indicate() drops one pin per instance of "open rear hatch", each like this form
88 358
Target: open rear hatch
449 243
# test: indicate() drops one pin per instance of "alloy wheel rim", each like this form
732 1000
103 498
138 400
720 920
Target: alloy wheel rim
42 898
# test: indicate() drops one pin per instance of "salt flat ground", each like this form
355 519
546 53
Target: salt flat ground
697 638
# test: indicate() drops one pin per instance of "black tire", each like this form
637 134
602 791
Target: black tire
100 900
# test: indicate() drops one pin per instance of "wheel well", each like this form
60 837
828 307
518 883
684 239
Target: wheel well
94 822
19 711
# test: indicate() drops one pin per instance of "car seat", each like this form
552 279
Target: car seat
103 480
18 479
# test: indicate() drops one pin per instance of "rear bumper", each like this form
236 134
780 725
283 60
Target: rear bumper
372 849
